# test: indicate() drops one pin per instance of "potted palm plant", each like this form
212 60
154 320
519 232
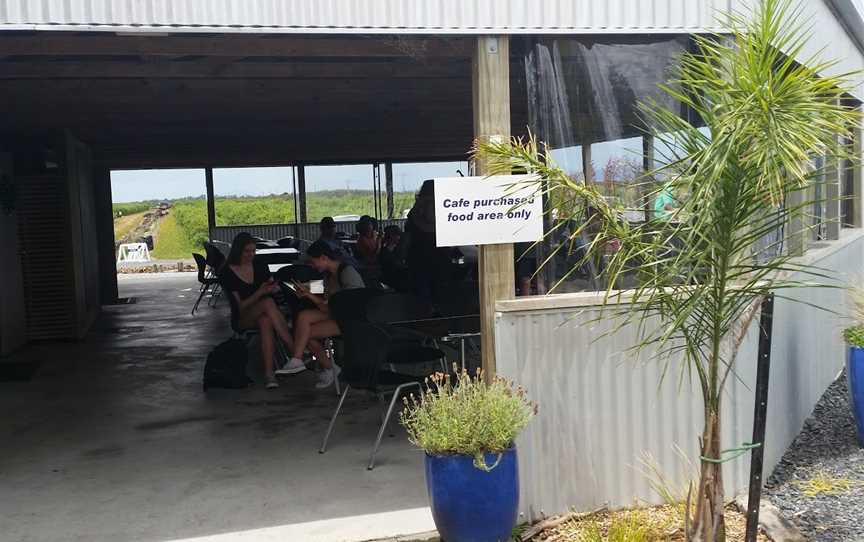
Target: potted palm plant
702 273
468 428
854 336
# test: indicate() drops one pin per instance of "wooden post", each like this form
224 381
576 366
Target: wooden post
388 174
301 193
491 96
108 292
211 202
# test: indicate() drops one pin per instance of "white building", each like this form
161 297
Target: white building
94 85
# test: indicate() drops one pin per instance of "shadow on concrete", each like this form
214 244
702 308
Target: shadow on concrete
113 439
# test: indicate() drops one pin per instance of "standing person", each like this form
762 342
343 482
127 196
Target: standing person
664 204
313 325
394 268
525 267
252 287
429 265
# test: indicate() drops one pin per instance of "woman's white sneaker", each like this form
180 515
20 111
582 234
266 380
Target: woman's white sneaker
293 366
327 377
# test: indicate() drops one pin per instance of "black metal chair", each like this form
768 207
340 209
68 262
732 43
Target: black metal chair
214 256
298 272
288 242
206 282
374 351
215 262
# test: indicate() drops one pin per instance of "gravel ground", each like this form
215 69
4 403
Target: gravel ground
819 483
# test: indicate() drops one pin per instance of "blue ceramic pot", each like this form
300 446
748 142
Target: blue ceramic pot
470 504
855 377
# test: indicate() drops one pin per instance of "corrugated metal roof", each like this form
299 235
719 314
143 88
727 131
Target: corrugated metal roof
839 36
367 16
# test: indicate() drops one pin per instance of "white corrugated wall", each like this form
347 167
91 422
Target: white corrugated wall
601 409
371 15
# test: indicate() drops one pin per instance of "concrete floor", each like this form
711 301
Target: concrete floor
113 440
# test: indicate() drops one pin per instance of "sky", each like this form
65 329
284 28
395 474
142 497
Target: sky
158 184
142 185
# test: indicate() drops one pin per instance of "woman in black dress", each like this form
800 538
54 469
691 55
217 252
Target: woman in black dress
252 287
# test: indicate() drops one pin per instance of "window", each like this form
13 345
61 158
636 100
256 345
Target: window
408 177
254 195
850 174
849 203
344 192
166 208
583 94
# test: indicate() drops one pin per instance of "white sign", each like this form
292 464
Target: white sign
133 252
487 210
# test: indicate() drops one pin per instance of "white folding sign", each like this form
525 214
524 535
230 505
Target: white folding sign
133 252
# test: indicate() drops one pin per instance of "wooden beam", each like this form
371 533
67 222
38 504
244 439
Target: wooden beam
108 291
491 93
133 157
170 115
132 90
233 68
61 44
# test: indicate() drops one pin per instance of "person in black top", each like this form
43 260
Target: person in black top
250 284
313 325
429 265
394 265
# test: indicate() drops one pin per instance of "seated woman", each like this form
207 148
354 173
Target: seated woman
368 244
252 287
312 325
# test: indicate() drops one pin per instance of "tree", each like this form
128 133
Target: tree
702 274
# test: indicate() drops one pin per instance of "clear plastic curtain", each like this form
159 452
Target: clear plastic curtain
583 94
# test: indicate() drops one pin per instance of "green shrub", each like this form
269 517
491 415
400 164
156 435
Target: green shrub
125 209
854 336
625 528
191 217
468 417
191 213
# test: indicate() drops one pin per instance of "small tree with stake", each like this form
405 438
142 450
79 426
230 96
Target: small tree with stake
701 276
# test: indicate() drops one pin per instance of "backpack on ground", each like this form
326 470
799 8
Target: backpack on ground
226 366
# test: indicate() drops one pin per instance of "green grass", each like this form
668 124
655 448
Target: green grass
172 242
185 228
124 209
126 223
